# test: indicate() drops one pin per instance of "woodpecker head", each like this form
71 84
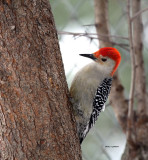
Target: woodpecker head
108 58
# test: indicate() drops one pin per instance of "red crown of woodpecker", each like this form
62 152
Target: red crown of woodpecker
110 52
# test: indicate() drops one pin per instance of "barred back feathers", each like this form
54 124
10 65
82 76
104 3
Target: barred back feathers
99 101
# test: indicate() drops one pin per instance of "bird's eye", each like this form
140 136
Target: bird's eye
104 59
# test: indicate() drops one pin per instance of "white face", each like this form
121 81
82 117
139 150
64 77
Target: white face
106 64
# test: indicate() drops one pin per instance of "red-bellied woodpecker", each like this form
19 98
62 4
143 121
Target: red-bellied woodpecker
91 87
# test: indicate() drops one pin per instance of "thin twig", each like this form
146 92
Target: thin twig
139 13
132 89
88 35
91 34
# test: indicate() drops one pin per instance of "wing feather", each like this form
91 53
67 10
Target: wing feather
98 104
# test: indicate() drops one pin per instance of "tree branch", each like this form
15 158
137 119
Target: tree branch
132 89
100 37
139 13
92 34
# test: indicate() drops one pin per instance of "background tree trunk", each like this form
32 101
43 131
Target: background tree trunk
116 97
35 113
136 149
137 145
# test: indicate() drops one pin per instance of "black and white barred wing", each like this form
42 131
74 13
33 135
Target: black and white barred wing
98 104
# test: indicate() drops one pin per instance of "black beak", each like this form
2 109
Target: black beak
91 56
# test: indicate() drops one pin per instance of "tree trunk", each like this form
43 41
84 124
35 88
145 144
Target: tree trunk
35 113
116 97
138 46
137 149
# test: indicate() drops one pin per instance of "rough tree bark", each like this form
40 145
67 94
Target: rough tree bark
35 113
117 99
138 149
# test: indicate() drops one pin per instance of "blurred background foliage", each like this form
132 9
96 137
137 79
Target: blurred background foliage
78 17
